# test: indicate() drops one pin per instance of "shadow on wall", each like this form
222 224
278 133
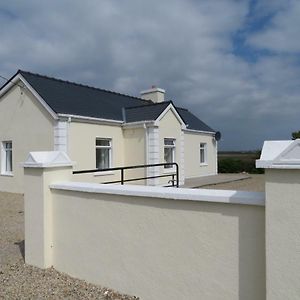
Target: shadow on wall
21 246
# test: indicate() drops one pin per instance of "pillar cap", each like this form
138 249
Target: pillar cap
47 159
280 155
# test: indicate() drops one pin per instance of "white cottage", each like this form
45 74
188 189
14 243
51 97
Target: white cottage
99 129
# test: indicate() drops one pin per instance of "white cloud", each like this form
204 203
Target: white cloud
282 34
183 46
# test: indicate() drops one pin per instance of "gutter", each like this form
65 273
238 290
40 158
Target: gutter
90 119
199 131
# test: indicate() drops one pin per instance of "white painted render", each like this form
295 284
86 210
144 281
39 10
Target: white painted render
154 94
172 243
158 248
135 153
169 127
281 160
82 149
152 242
61 131
25 122
193 168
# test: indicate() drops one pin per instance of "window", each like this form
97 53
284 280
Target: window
7 166
169 152
203 153
103 153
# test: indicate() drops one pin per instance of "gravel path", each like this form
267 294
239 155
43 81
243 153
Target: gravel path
256 183
20 281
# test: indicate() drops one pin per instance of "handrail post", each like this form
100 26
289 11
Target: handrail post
177 175
122 176
173 179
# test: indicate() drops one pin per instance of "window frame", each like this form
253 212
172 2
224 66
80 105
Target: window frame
173 151
4 156
109 147
203 148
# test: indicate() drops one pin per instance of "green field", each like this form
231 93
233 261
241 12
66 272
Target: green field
238 162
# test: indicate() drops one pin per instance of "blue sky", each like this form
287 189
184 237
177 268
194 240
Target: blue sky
235 64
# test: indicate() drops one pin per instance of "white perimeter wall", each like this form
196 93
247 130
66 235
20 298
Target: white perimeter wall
282 234
157 247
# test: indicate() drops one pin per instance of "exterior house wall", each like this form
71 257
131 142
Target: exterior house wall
169 127
193 168
135 153
29 126
82 149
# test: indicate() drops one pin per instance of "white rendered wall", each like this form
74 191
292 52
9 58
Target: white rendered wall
282 234
193 168
82 149
135 153
30 128
156 247
170 127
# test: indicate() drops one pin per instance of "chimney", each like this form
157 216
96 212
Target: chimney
154 94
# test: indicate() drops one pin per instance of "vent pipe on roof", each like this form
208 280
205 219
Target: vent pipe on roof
154 94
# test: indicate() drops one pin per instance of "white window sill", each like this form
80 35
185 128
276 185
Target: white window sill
7 174
104 173
203 165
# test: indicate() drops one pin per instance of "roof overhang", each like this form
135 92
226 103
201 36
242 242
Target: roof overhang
19 78
78 118
138 124
194 131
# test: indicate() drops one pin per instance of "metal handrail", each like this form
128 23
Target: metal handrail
122 169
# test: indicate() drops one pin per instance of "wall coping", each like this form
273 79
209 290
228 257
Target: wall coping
201 195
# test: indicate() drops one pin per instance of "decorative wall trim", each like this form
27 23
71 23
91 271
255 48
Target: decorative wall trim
153 154
61 136
181 163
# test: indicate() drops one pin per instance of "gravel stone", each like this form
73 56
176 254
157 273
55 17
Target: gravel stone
20 281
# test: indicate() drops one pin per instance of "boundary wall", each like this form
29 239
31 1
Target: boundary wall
152 242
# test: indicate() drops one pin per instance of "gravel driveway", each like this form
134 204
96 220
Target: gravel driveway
256 183
19 281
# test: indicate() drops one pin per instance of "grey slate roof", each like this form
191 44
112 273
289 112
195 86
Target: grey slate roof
192 121
145 112
75 99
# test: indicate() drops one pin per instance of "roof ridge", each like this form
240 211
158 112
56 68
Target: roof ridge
79 84
151 104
